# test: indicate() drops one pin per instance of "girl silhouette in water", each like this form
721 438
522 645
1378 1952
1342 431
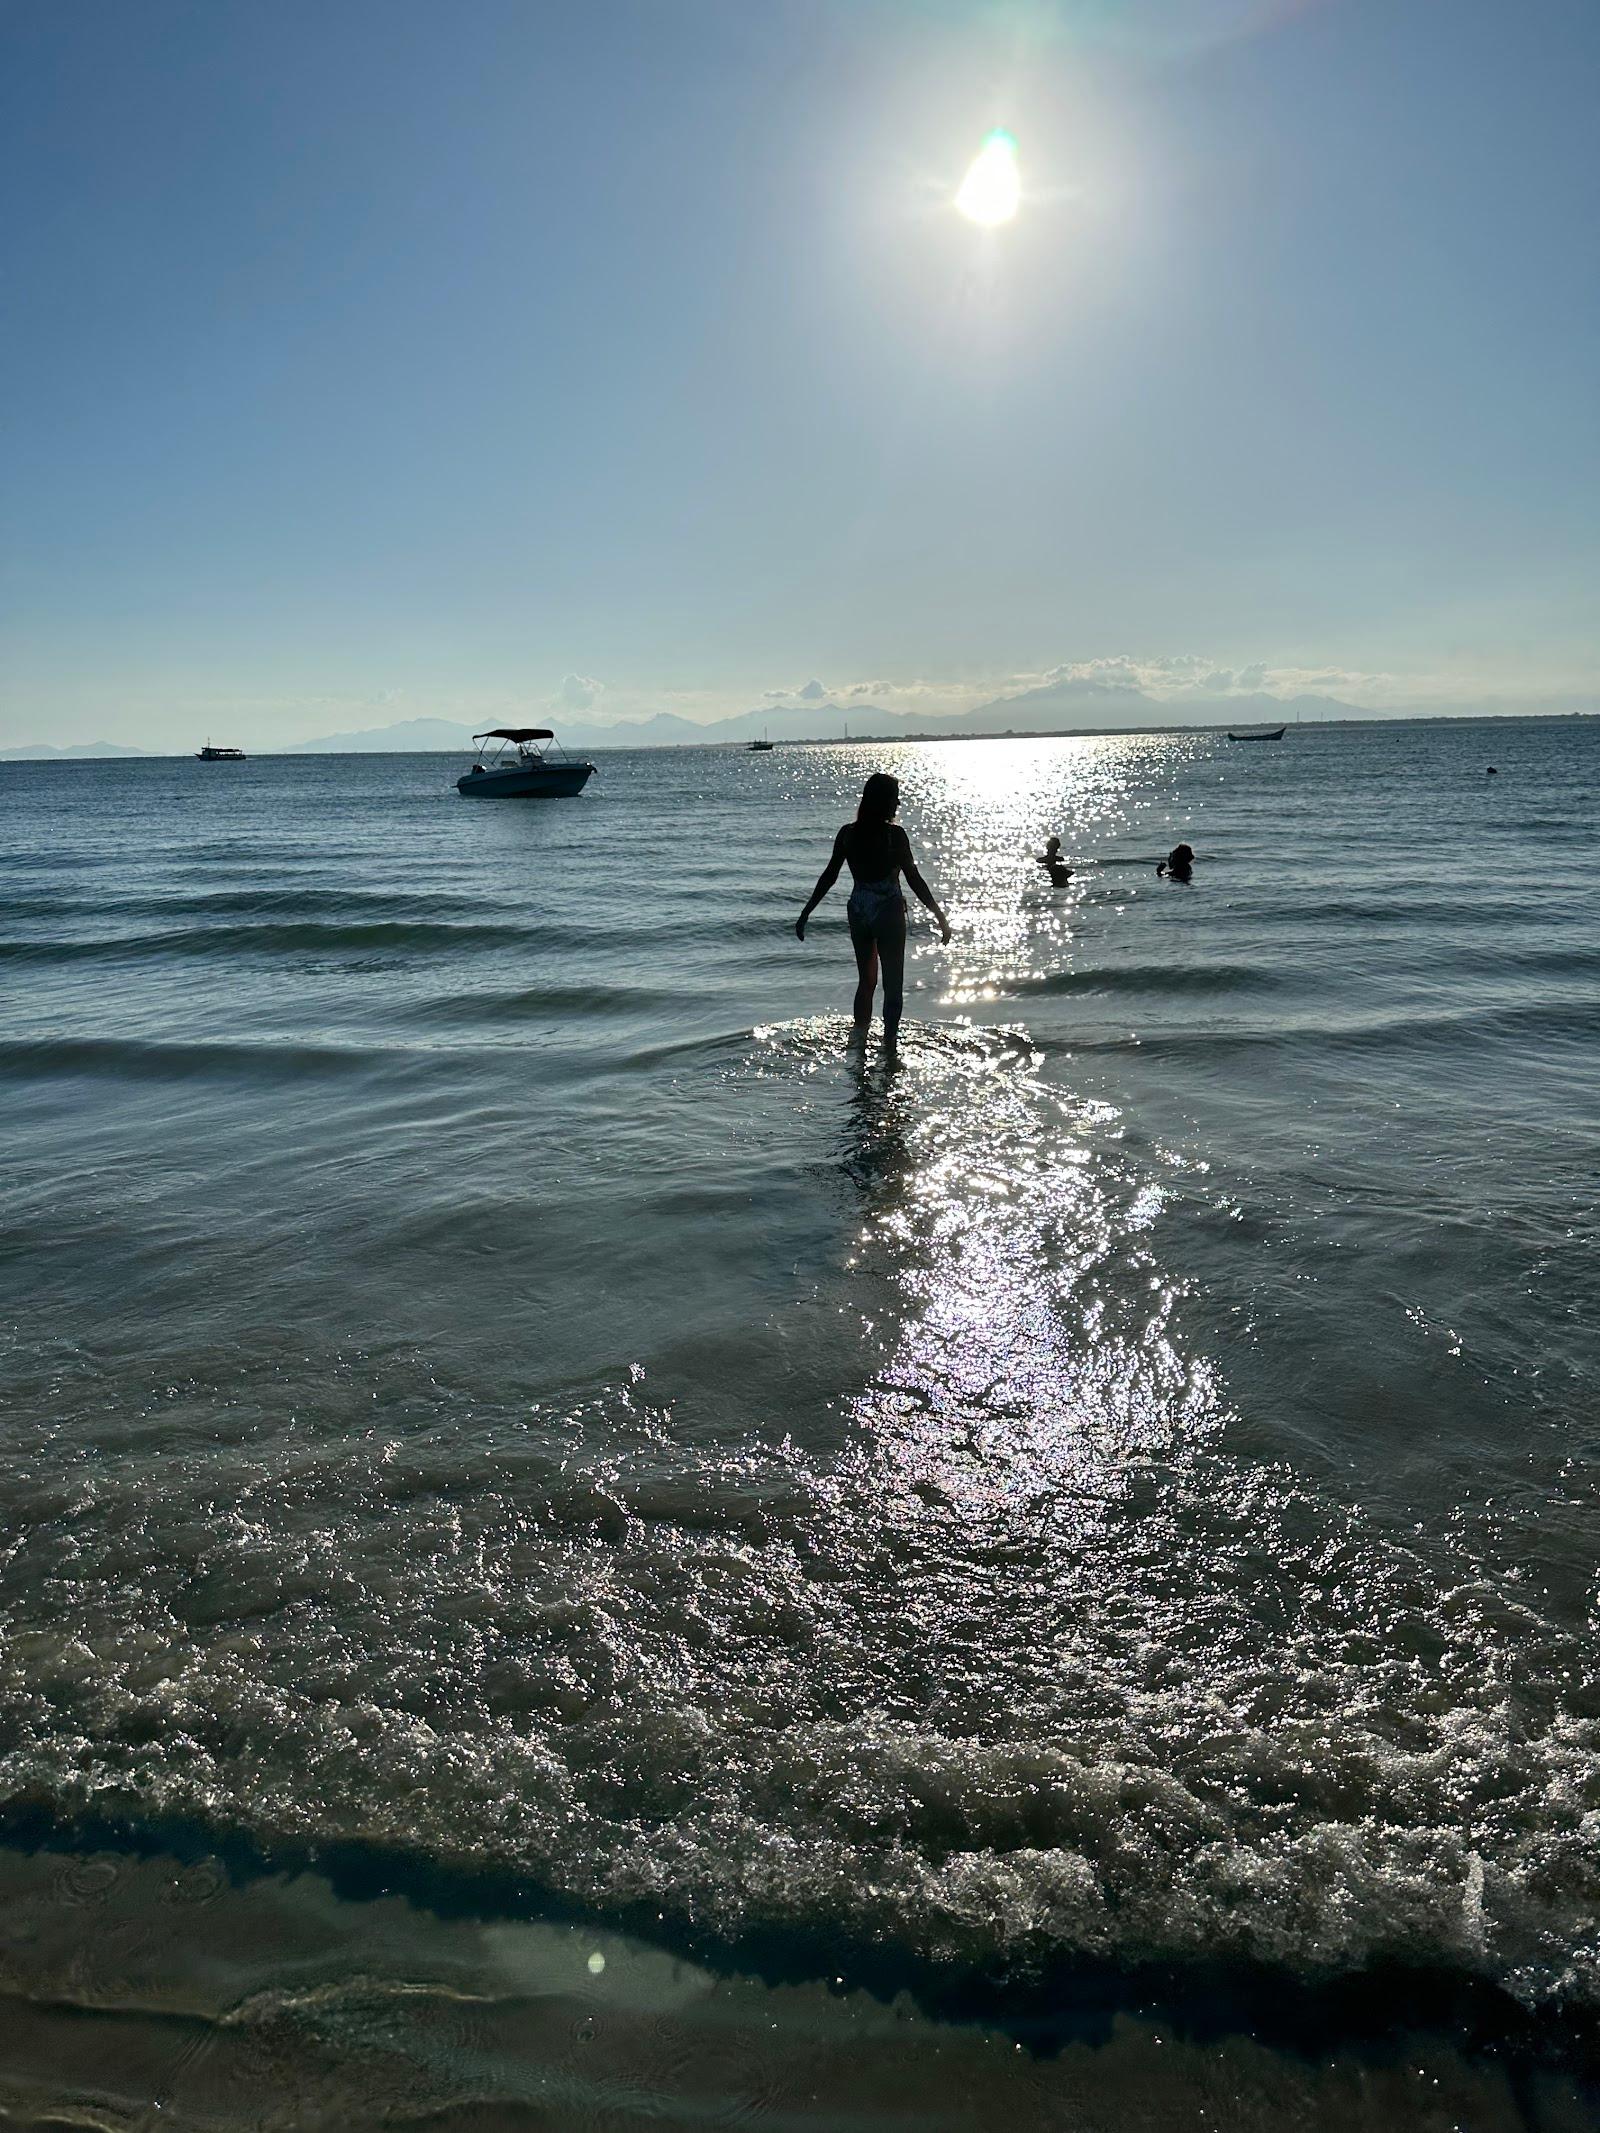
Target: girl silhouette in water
1053 863
877 852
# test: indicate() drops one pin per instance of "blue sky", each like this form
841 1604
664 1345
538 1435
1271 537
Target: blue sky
368 361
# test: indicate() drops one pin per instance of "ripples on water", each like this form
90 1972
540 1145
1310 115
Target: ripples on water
493 1373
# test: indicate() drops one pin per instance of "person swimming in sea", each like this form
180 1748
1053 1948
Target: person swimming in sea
877 852
1178 864
1053 863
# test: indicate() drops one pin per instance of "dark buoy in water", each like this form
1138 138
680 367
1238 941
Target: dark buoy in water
1491 772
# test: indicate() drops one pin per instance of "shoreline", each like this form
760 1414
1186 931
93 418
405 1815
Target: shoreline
118 754
200 1958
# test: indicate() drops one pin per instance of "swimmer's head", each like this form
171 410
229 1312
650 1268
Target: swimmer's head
880 798
1052 845
1181 855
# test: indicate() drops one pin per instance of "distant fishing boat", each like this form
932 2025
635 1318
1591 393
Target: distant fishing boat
760 747
1256 733
521 769
208 754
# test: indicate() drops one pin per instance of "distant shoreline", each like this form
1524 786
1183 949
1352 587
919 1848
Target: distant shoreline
69 758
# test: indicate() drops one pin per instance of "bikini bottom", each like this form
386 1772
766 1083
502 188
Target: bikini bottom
876 909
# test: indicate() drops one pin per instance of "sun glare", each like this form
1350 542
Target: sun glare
992 189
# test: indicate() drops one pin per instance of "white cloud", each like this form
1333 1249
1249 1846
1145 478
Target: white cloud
1154 677
809 692
1180 676
944 695
1175 678
578 691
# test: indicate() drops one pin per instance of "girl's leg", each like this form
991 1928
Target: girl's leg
866 949
892 956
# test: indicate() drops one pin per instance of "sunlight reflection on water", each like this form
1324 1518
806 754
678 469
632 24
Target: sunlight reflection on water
989 811
1034 1355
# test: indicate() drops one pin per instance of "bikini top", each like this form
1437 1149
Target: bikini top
875 852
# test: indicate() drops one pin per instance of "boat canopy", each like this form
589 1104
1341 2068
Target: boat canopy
516 733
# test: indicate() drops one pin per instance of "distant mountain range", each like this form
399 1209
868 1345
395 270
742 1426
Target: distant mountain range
1075 706
411 736
1055 707
42 754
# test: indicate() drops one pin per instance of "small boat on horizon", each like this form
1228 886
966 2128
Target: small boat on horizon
521 769
761 747
208 754
1256 733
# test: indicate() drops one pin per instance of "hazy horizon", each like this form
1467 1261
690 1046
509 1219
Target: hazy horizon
583 366
735 732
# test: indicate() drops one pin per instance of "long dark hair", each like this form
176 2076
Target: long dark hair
880 800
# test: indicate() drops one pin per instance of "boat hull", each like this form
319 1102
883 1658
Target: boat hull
552 781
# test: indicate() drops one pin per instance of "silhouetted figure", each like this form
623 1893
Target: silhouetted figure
877 852
1053 863
1178 864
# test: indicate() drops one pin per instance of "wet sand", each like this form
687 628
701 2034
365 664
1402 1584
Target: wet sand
179 1992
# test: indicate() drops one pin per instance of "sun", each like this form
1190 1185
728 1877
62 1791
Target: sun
991 191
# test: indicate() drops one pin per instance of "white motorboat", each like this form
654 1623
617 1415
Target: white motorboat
527 765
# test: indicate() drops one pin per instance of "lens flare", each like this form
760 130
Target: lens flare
991 191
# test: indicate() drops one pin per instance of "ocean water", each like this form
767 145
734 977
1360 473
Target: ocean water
501 1394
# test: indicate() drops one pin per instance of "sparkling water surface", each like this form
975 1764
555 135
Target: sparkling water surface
493 1374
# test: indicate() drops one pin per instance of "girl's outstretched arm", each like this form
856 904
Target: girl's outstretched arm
825 881
919 888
